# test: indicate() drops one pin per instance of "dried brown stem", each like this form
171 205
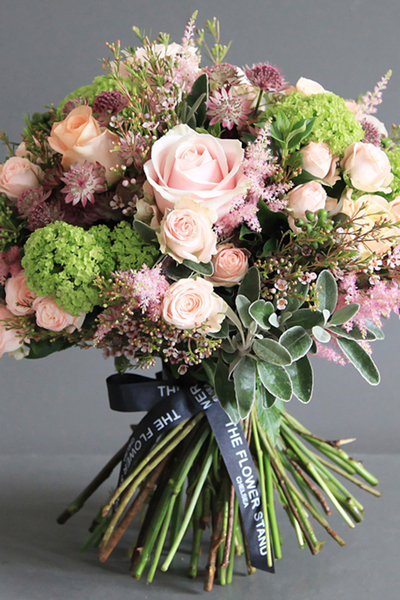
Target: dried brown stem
229 531
308 481
147 487
212 555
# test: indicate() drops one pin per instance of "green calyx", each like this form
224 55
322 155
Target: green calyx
334 123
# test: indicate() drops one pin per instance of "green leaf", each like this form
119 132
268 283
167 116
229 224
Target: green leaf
225 390
267 399
199 90
326 291
261 311
306 318
353 334
270 420
360 359
375 330
147 234
242 305
272 352
275 380
244 377
321 335
176 272
202 268
297 341
344 314
250 286
301 375
44 348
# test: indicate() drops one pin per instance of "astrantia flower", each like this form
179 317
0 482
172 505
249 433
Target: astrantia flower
223 74
82 182
227 107
108 104
73 103
266 77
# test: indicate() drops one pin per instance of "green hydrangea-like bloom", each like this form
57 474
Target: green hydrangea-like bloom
394 158
62 261
102 83
129 250
334 123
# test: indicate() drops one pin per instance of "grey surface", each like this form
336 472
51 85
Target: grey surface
40 560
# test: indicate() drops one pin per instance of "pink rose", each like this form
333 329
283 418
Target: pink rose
18 297
50 316
18 175
230 265
309 87
186 232
318 160
9 341
185 163
309 196
368 168
191 303
80 138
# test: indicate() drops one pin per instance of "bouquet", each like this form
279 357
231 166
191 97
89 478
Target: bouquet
231 225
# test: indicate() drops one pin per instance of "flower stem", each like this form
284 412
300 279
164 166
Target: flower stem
264 500
271 509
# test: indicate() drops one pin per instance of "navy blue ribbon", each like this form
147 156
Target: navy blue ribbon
168 404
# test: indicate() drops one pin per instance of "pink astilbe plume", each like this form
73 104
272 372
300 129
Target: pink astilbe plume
371 100
143 289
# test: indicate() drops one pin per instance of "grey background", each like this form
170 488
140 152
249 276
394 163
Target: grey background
55 428
49 48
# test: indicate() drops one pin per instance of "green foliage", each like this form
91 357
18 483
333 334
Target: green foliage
270 420
193 109
225 390
244 377
288 134
360 359
129 250
10 226
63 261
334 123
102 83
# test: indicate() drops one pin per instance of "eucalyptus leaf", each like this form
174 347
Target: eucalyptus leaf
273 320
360 359
202 268
270 420
272 352
260 312
175 271
242 305
267 399
297 341
223 332
225 390
302 377
321 335
306 318
147 234
326 291
354 334
250 286
344 314
275 379
244 377
375 330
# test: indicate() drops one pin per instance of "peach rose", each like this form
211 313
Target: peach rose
18 175
230 265
9 342
191 303
50 316
19 297
318 160
80 138
186 232
369 210
309 87
309 196
186 163
368 168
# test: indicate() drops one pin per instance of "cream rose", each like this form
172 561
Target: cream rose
9 341
18 175
186 232
369 210
79 138
18 297
50 316
318 160
368 168
186 163
309 196
309 87
230 265
191 303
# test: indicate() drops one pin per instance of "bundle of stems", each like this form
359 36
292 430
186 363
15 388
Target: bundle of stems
182 484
